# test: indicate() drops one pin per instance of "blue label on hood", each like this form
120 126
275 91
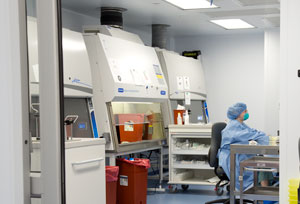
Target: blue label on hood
120 90
163 93
81 126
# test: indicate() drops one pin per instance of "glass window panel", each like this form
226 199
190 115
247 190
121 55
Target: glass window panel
196 110
82 127
137 122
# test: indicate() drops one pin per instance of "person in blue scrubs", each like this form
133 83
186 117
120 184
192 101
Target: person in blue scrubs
237 132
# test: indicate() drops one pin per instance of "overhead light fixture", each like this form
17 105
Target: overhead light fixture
231 24
191 4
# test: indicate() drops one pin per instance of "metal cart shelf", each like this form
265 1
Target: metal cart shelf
177 165
259 164
189 166
191 152
248 149
262 193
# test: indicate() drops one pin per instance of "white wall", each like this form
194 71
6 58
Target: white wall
271 81
70 19
74 21
14 153
289 94
145 34
234 71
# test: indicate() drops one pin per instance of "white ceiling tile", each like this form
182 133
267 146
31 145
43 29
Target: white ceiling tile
256 2
142 13
248 12
273 21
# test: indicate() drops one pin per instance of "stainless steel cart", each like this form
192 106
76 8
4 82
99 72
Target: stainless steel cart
246 149
259 164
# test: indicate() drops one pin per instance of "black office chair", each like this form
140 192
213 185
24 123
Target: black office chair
215 143
216 138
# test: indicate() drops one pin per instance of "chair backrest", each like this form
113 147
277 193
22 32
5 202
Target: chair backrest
215 143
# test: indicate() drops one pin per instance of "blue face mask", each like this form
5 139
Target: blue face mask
246 116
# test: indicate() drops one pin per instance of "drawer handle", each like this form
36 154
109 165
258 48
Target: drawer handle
265 170
87 161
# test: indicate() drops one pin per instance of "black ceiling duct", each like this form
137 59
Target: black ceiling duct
112 16
159 35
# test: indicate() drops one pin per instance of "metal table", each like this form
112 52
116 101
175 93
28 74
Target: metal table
246 149
259 164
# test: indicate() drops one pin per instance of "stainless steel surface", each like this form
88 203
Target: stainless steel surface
138 146
161 169
197 134
110 154
246 149
255 178
267 193
112 128
265 170
255 149
87 161
259 164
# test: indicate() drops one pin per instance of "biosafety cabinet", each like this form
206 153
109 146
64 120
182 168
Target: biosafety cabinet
186 81
77 82
77 74
189 143
130 92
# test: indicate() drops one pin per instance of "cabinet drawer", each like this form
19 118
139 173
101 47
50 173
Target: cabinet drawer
85 175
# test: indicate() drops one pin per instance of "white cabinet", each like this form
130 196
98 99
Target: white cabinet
85 174
85 170
188 150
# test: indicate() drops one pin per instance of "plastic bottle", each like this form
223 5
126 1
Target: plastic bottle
187 144
179 119
186 118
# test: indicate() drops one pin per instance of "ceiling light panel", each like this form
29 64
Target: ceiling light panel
232 24
191 4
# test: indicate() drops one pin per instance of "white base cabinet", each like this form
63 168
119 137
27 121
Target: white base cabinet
85 170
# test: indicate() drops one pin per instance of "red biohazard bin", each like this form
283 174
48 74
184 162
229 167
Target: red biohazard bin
132 184
112 174
134 132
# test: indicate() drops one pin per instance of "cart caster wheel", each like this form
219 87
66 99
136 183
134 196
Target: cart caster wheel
172 189
184 187
219 191
228 188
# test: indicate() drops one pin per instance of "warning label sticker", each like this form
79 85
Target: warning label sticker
123 180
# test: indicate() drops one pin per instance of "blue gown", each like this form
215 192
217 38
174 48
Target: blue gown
239 133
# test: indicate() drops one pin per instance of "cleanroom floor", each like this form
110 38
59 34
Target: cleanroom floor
195 194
